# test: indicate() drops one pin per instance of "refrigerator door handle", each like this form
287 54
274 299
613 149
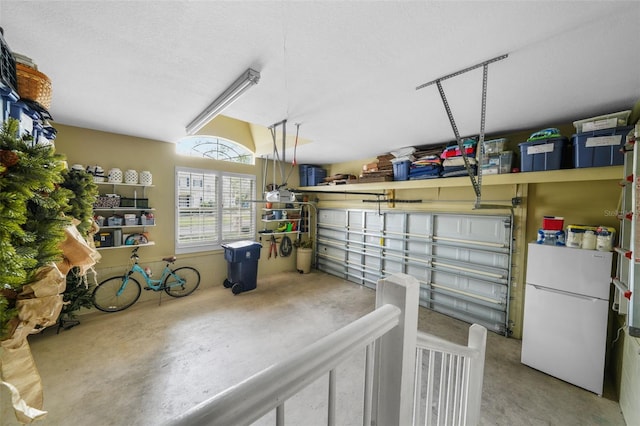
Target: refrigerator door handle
552 290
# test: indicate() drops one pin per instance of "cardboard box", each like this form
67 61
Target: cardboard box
370 167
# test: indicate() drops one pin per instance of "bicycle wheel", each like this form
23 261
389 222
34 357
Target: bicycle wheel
189 280
108 296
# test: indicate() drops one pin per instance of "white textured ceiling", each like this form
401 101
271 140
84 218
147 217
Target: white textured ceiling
346 71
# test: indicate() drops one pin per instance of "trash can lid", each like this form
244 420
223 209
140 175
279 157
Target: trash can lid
241 244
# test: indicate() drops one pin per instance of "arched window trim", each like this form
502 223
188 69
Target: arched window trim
215 148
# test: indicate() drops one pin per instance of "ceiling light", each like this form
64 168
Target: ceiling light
233 92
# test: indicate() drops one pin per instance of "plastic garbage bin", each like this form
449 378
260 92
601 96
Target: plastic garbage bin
242 265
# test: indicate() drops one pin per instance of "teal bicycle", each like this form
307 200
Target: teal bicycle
120 292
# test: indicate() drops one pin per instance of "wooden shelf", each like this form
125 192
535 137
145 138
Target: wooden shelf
551 176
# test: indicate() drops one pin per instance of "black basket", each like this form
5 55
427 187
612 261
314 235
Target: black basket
7 65
141 203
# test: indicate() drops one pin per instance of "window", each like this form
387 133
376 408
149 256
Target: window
214 148
213 207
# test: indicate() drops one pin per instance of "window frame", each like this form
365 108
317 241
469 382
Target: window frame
217 142
182 247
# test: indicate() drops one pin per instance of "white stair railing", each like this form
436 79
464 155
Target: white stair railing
449 377
388 335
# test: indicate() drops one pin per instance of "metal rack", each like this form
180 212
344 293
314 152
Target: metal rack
626 300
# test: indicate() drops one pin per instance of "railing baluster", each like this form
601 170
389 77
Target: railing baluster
368 384
449 386
443 359
280 415
456 396
464 398
430 385
417 393
331 418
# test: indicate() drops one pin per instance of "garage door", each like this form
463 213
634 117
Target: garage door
462 261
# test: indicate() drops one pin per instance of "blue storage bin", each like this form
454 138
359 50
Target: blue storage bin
302 170
544 154
600 148
315 175
310 173
401 170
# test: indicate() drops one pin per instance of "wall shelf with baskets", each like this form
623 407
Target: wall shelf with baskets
122 215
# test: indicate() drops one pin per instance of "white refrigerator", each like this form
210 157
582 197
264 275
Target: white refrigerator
565 313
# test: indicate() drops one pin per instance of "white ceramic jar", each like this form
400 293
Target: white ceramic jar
115 175
130 176
146 178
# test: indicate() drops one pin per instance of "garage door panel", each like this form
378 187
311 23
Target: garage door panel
419 272
475 288
475 257
466 312
473 228
461 260
419 224
332 217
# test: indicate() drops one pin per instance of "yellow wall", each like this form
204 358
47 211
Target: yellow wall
108 150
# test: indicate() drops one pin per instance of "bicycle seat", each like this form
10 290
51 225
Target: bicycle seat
169 259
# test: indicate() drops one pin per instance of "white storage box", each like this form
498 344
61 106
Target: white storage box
607 121
495 146
130 219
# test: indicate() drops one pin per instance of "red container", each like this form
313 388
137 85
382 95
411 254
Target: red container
552 223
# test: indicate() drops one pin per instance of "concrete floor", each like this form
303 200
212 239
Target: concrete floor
144 365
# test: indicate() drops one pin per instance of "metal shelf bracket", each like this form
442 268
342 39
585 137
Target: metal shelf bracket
476 183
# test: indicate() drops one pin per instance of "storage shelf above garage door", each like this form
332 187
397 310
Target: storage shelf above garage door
567 175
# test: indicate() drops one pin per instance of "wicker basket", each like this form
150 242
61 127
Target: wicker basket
33 85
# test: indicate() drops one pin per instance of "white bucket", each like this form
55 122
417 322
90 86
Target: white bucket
303 260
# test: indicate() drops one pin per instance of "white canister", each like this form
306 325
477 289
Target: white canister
574 238
130 176
604 239
589 240
145 178
115 175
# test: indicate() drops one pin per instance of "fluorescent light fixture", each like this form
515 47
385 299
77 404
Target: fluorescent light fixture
233 92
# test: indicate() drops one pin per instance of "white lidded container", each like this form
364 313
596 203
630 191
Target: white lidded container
115 175
130 176
145 178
